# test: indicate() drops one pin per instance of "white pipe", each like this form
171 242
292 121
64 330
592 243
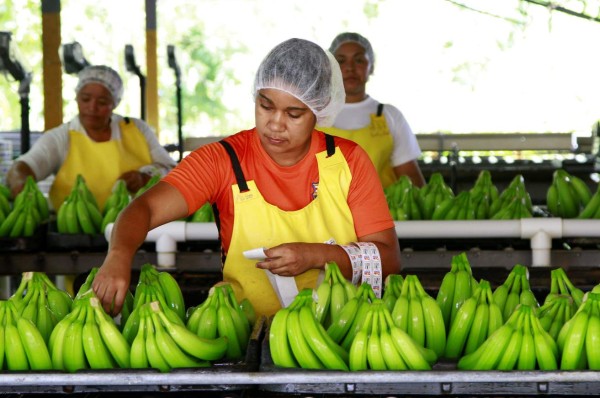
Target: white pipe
458 229
540 231
581 228
201 231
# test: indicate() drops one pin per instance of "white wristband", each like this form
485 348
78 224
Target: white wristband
371 266
354 254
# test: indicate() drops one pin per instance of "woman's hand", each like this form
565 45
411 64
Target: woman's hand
111 284
291 259
135 180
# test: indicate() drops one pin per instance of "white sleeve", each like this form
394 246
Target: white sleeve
162 162
48 153
406 146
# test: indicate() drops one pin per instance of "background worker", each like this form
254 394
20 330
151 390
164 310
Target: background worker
281 185
380 129
97 143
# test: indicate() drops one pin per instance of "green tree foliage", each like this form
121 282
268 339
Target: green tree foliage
23 19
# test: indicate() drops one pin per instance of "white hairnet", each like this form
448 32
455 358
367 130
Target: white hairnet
303 69
105 76
360 40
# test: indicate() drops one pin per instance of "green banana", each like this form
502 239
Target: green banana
330 358
510 356
155 358
138 358
323 297
57 338
459 329
527 356
445 296
375 359
299 344
545 346
172 293
192 344
95 350
592 341
279 344
73 355
342 323
416 324
111 336
574 342
34 345
83 217
393 359
358 350
16 356
170 351
207 326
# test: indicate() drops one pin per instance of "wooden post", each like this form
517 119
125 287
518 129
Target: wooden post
53 99
151 79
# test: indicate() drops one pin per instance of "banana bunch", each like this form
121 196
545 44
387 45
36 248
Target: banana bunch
476 320
433 194
457 285
5 205
164 345
151 182
297 339
38 300
483 194
22 346
166 287
521 343
30 209
79 213
514 291
592 209
115 203
554 313
220 315
392 288
203 214
419 315
560 285
568 195
86 286
579 339
349 320
513 203
381 345
88 338
332 293
154 286
459 207
404 200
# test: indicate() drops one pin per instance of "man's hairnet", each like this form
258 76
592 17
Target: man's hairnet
105 76
355 38
304 70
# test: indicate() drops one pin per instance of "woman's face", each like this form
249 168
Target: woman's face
95 105
355 70
284 125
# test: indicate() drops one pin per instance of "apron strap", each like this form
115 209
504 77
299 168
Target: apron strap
379 109
330 144
235 163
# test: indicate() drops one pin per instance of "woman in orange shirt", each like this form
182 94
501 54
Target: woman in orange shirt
305 196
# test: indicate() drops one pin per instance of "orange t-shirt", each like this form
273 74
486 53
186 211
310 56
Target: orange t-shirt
207 175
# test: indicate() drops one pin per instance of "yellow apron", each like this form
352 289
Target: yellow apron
260 224
376 140
100 163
